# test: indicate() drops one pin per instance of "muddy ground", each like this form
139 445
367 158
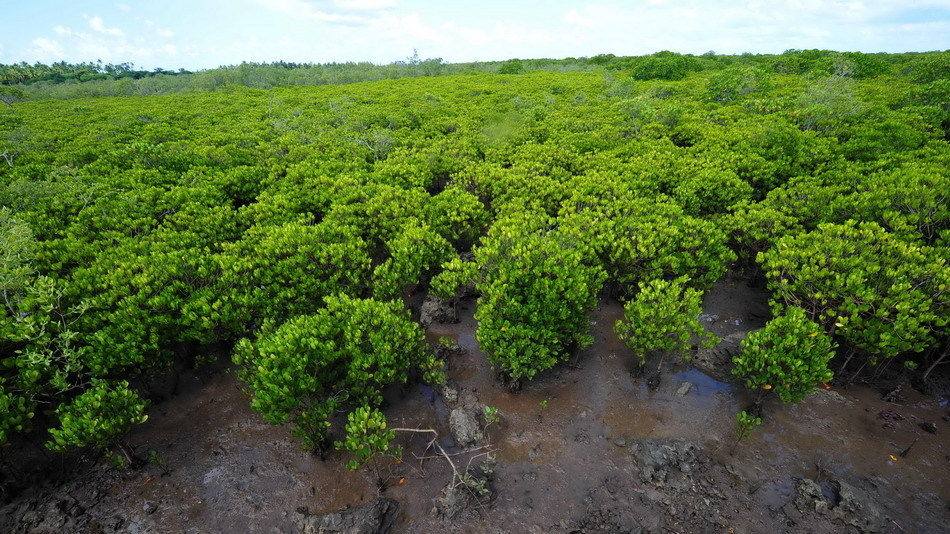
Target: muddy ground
588 447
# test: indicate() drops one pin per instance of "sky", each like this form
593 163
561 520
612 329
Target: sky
195 34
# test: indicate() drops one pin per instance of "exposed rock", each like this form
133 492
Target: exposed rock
374 517
717 361
435 310
464 426
61 514
928 427
449 393
684 389
808 497
445 349
856 508
850 505
666 462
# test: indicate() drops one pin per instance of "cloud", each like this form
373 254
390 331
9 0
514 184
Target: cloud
364 4
573 17
106 43
97 25
307 11
48 47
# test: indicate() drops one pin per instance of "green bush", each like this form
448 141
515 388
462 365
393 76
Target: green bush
367 437
788 357
882 294
734 82
307 368
663 317
98 416
664 66
639 239
537 289
746 423
512 66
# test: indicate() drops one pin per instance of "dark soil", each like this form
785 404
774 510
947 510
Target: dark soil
588 447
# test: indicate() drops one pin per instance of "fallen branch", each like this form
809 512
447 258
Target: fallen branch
434 441
458 477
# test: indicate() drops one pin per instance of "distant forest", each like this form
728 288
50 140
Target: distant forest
66 80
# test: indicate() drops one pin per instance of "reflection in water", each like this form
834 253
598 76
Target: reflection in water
703 384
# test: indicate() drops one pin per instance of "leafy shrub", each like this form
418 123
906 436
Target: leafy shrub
789 356
731 83
641 239
537 289
416 250
276 272
15 414
307 368
664 66
512 66
882 294
367 437
97 416
746 423
663 316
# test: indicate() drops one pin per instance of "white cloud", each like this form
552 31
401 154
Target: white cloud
303 10
47 47
365 4
106 43
574 17
97 25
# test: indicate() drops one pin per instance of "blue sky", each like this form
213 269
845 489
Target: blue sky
207 33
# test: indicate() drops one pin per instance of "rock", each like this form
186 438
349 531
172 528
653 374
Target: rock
464 426
857 509
435 311
684 389
929 427
620 442
808 496
717 361
666 462
52 516
850 506
149 507
449 393
374 517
